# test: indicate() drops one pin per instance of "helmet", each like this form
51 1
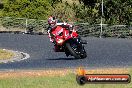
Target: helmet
51 20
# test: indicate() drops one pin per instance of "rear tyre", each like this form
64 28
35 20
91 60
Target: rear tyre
72 51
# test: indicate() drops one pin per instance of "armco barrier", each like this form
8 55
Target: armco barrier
84 29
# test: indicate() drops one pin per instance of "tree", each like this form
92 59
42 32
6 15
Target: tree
1 5
53 2
118 11
89 3
33 9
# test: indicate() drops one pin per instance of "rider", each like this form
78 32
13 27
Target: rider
53 23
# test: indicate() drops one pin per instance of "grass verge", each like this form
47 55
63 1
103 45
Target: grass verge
4 54
46 79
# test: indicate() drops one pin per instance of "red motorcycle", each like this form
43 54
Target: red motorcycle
68 41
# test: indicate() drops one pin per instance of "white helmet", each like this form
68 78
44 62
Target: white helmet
51 20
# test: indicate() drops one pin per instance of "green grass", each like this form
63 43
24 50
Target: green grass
4 54
68 81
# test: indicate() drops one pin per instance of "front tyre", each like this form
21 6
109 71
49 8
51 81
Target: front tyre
68 46
83 53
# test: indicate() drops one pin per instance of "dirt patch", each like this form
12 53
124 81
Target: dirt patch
60 72
33 73
109 71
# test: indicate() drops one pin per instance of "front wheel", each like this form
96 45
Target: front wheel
72 51
84 54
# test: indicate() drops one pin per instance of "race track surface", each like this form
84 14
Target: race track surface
101 53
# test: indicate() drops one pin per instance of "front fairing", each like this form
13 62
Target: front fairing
63 34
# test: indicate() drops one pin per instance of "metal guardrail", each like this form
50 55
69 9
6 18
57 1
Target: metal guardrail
120 31
23 23
85 29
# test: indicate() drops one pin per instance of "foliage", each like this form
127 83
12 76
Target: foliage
64 12
1 6
115 11
118 11
89 3
90 15
37 9
53 2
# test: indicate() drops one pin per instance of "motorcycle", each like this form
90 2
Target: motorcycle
69 41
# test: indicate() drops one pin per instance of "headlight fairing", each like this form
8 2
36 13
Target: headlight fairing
60 40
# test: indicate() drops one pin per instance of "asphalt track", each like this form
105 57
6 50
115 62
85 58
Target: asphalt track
104 52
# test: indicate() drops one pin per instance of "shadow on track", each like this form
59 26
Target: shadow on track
63 59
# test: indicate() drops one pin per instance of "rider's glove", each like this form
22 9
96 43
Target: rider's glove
48 31
51 40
